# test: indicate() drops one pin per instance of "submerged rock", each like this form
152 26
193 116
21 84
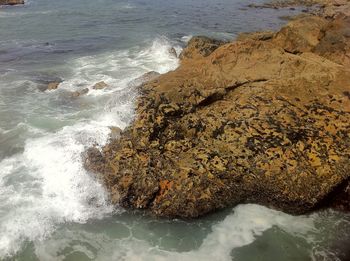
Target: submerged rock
115 133
262 120
173 52
100 86
11 2
80 92
146 77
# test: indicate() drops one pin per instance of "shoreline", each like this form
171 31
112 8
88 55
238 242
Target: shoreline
263 119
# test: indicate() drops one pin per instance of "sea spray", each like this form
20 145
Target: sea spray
46 185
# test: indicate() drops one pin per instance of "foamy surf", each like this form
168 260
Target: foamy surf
46 185
118 68
240 228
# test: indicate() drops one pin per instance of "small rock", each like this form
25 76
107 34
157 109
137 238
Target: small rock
80 92
100 85
93 159
53 86
173 52
115 132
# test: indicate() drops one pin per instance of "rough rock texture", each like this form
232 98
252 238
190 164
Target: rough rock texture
263 120
11 2
330 39
200 46
301 35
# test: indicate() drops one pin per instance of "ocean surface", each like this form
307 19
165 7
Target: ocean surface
50 207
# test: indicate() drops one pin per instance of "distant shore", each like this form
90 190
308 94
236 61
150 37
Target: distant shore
11 2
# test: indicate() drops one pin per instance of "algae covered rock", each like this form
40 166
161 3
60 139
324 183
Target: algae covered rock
258 120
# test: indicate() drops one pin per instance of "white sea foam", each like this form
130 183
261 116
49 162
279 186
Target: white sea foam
46 185
186 38
119 67
240 228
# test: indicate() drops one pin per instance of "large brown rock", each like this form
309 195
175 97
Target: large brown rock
11 2
200 46
330 39
301 35
264 121
335 41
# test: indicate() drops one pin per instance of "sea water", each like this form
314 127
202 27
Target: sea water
53 209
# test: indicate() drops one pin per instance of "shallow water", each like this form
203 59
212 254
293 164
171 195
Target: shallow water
50 207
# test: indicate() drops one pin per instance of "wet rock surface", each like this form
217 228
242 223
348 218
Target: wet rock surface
200 46
79 93
276 4
263 120
100 86
52 86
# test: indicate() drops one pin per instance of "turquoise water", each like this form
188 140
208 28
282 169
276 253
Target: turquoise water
50 207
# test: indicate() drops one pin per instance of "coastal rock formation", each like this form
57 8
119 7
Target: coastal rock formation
200 46
262 119
11 2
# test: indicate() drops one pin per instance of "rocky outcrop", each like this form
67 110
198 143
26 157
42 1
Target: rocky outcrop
263 119
11 2
200 46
